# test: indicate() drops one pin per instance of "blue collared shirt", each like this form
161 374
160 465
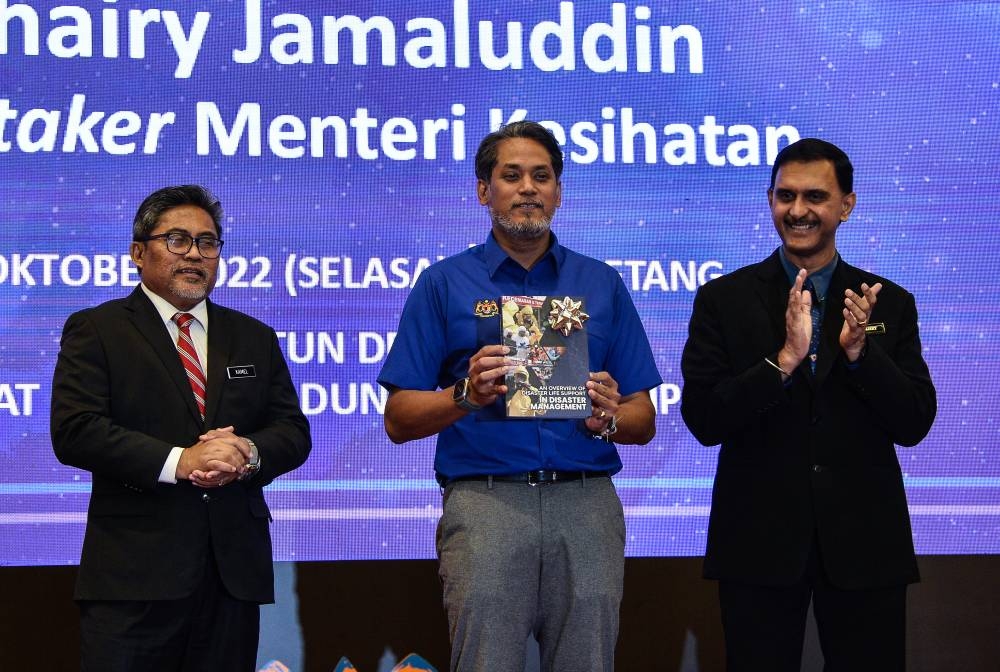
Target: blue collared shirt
439 331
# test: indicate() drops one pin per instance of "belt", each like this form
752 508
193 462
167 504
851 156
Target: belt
540 477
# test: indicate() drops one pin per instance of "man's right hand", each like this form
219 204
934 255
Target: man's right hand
487 369
218 454
417 414
798 325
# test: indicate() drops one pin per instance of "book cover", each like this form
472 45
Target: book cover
547 336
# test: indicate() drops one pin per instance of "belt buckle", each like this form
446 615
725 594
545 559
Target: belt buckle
533 478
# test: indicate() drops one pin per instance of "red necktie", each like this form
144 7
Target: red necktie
189 358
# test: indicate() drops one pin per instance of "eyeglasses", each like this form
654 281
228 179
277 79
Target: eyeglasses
180 243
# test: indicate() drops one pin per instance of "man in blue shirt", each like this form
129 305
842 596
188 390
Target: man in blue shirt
532 536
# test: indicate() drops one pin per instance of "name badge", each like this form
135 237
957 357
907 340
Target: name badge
875 328
241 371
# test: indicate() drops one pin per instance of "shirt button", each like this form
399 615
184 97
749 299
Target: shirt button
206 497
818 468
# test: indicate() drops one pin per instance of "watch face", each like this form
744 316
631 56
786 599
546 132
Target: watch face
461 388
461 396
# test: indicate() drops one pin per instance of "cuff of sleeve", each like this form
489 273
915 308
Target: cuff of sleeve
169 472
787 377
851 366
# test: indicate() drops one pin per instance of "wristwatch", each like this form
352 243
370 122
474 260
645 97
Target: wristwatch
460 395
253 464
608 430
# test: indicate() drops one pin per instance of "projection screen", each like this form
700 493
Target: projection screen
339 137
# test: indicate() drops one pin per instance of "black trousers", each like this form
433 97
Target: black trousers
209 631
859 630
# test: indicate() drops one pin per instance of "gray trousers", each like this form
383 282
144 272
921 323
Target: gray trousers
519 560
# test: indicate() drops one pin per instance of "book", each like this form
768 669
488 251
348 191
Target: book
547 337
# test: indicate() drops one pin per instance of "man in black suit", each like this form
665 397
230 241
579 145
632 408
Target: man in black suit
808 370
181 423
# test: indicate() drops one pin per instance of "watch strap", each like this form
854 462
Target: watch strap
253 464
610 429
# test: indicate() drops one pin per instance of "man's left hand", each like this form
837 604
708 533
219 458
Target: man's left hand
857 311
604 398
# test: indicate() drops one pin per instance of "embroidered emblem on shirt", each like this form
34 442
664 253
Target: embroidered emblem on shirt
487 308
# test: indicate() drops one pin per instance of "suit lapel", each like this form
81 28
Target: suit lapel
833 320
147 322
772 289
219 348
844 276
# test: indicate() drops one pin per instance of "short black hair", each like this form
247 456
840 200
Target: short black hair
808 150
161 200
486 155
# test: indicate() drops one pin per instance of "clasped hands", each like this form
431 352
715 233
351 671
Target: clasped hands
489 366
219 458
798 322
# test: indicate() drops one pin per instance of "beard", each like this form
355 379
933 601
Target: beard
531 229
192 291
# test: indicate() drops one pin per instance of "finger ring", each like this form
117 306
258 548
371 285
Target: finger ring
862 323
602 415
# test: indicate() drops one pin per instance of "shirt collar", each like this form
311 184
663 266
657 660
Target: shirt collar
495 255
167 310
820 279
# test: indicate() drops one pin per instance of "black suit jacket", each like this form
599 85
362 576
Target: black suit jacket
815 459
121 401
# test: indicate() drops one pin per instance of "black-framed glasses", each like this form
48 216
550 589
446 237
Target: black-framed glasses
180 243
